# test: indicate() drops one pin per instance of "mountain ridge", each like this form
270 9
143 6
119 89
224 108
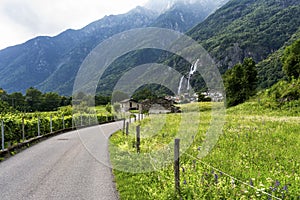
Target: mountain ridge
50 53
239 29
51 63
247 28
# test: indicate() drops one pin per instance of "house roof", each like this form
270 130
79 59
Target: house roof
128 100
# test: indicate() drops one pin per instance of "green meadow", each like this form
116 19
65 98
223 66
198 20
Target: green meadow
255 157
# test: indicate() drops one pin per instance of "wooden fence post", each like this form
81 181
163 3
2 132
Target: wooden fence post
73 121
138 138
39 130
63 120
2 134
23 129
127 128
124 122
176 165
51 129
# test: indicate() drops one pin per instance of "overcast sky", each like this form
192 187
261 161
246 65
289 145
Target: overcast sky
22 20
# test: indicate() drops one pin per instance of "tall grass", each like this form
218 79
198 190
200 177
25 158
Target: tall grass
256 157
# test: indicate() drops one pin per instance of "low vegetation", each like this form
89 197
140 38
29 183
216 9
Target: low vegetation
256 157
65 117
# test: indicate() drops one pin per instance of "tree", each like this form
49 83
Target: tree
144 93
118 96
66 101
101 100
33 98
240 82
250 77
5 108
291 60
203 98
3 95
117 107
108 108
51 101
17 101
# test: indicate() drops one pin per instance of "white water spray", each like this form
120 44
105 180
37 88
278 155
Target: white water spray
180 85
192 71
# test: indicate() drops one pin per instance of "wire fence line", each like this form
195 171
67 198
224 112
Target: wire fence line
232 177
50 123
15 130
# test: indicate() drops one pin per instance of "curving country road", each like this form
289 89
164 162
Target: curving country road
68 166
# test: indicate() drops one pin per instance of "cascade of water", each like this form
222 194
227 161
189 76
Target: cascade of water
193 69
180 84
182 81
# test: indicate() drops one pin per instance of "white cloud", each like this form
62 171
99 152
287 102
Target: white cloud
21 20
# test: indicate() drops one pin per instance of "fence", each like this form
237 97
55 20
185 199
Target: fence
16 129
177 164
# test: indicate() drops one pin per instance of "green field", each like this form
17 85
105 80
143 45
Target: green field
257 154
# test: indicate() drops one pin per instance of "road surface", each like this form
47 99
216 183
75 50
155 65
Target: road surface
68 166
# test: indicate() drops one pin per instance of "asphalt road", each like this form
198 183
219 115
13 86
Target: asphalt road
68 166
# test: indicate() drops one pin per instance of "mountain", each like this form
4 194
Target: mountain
48 62
62 79
239 29
181 16
51 63
270 69
247 28
260 29
162 6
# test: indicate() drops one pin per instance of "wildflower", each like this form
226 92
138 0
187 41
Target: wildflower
285 188
277 183
216 178
251 182
199 148
232 181
194 164
184 182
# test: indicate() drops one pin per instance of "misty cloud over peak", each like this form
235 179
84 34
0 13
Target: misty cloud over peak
163 5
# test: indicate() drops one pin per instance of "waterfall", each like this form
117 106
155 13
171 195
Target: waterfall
193 69
180 84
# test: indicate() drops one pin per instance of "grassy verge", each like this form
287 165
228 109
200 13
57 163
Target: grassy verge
257 153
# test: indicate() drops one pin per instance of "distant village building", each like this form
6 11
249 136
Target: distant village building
159 106
129 104
215 96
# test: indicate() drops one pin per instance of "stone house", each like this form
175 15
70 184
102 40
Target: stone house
158 106
129 104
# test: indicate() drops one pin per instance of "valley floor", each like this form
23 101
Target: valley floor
255 157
